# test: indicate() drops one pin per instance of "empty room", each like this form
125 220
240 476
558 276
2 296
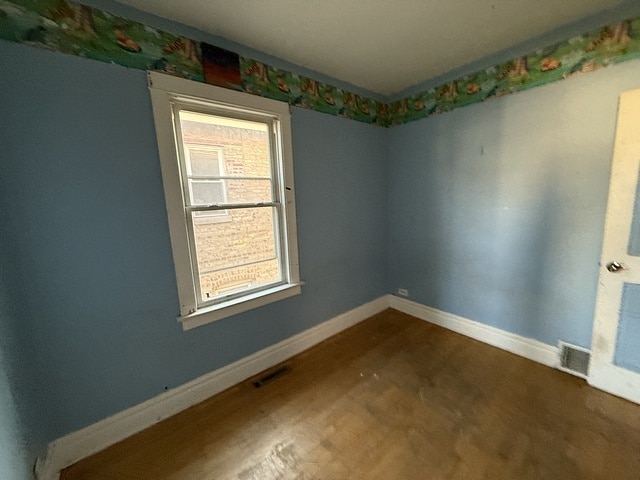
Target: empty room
319 240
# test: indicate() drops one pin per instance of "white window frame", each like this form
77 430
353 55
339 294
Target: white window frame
166 90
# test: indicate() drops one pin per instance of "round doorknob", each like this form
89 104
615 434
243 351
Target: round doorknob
614 267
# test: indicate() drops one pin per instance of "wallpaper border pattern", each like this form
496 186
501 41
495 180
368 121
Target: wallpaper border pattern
77 29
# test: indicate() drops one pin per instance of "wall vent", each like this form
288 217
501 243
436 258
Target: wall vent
574 359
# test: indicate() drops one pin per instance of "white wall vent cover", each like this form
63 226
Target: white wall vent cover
574 359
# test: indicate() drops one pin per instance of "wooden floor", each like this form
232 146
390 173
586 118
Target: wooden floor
391 398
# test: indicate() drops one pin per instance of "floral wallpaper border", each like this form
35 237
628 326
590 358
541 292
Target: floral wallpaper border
615 43
77 29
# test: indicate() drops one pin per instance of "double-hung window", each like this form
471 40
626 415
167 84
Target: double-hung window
228 181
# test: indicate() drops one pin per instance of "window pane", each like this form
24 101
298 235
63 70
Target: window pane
206 192
204 162
243 145
238 279
211 192
243 250
248 191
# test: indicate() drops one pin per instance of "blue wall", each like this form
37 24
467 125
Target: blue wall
15 455
87 241
496 211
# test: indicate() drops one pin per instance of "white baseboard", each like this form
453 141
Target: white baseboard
615 380
71 448
525 347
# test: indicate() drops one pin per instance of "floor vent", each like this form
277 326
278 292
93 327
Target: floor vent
272 375
574 360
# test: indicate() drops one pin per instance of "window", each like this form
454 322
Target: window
227 175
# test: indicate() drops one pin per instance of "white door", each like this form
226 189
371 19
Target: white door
615 348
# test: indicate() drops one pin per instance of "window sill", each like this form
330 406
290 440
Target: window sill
239 305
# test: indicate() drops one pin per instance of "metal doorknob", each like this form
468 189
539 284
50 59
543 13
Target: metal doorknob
614 267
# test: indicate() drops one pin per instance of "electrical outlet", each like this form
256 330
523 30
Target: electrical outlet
403 292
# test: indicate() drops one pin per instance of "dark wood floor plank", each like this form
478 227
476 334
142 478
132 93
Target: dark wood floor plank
391 398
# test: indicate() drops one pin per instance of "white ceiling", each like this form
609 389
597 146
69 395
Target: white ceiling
383 46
